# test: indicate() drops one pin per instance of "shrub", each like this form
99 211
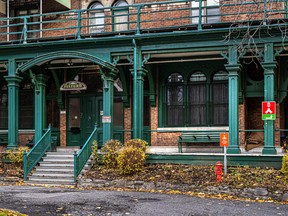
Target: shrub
110 152
284 168
130 160
16 155
94 153
137 143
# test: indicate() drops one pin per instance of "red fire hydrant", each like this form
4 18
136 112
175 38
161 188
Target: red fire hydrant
218 171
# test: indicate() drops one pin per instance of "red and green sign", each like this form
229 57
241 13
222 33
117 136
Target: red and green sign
268 110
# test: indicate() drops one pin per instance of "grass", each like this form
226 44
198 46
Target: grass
200 176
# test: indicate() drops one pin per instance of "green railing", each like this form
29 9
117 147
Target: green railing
36 153
138 19
81 158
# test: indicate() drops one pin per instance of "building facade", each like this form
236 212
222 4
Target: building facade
153 70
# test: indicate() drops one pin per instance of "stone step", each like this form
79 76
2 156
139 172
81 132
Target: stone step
54 170
53 175
35 180
59 154
58 160
52 184
56 165
69 149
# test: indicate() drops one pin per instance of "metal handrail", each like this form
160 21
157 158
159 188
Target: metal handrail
139 19
81 158
36 153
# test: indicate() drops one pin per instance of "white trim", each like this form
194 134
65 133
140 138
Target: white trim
180 129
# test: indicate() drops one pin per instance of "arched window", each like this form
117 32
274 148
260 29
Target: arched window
175 100
220 98
202 100
197 102
120 15
96 18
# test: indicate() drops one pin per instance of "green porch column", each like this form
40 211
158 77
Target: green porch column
269 66
108 103
13 81
233 69
138 93
40 105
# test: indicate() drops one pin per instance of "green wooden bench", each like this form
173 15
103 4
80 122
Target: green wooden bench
3 138
198 137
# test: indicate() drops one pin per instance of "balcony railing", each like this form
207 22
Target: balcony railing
145 18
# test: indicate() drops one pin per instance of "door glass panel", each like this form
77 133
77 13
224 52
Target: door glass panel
118 113
74 115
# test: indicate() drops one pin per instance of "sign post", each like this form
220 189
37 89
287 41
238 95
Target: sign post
224 142
268 110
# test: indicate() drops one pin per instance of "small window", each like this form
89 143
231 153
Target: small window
221 75
96 18
198 76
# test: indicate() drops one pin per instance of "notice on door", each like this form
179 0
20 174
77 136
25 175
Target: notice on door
106 119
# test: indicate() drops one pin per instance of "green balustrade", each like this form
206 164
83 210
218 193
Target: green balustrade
81 158
178 15
36 153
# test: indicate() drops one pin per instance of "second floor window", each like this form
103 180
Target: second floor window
210 11
96 18
121 15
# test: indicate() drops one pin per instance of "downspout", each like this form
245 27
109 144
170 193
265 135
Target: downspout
8 21
135 108
41 17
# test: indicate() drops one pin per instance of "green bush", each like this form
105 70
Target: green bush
137 143
94 153
131 160
110 152
16 155
284 168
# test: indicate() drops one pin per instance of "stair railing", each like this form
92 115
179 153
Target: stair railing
36 153
81 158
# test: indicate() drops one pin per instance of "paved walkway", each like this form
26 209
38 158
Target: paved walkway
43 201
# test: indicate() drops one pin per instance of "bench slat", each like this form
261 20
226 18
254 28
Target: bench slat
198 137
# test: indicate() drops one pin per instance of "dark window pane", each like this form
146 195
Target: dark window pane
197 104
26 108
220 103
118 113
175 101
3 110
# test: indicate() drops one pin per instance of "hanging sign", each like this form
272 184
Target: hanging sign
73 86
268 110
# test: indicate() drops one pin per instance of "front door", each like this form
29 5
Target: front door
81 120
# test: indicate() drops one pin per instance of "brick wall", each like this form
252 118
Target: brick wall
127 123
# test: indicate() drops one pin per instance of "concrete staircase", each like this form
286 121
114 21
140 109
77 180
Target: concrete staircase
57 168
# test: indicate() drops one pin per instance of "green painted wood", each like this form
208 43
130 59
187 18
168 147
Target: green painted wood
269 66
81 158
233 69
37 152
13 81
233 160
108 95
40 105
138 92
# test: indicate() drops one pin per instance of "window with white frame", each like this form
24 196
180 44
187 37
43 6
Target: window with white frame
96 18
209 13
121 15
